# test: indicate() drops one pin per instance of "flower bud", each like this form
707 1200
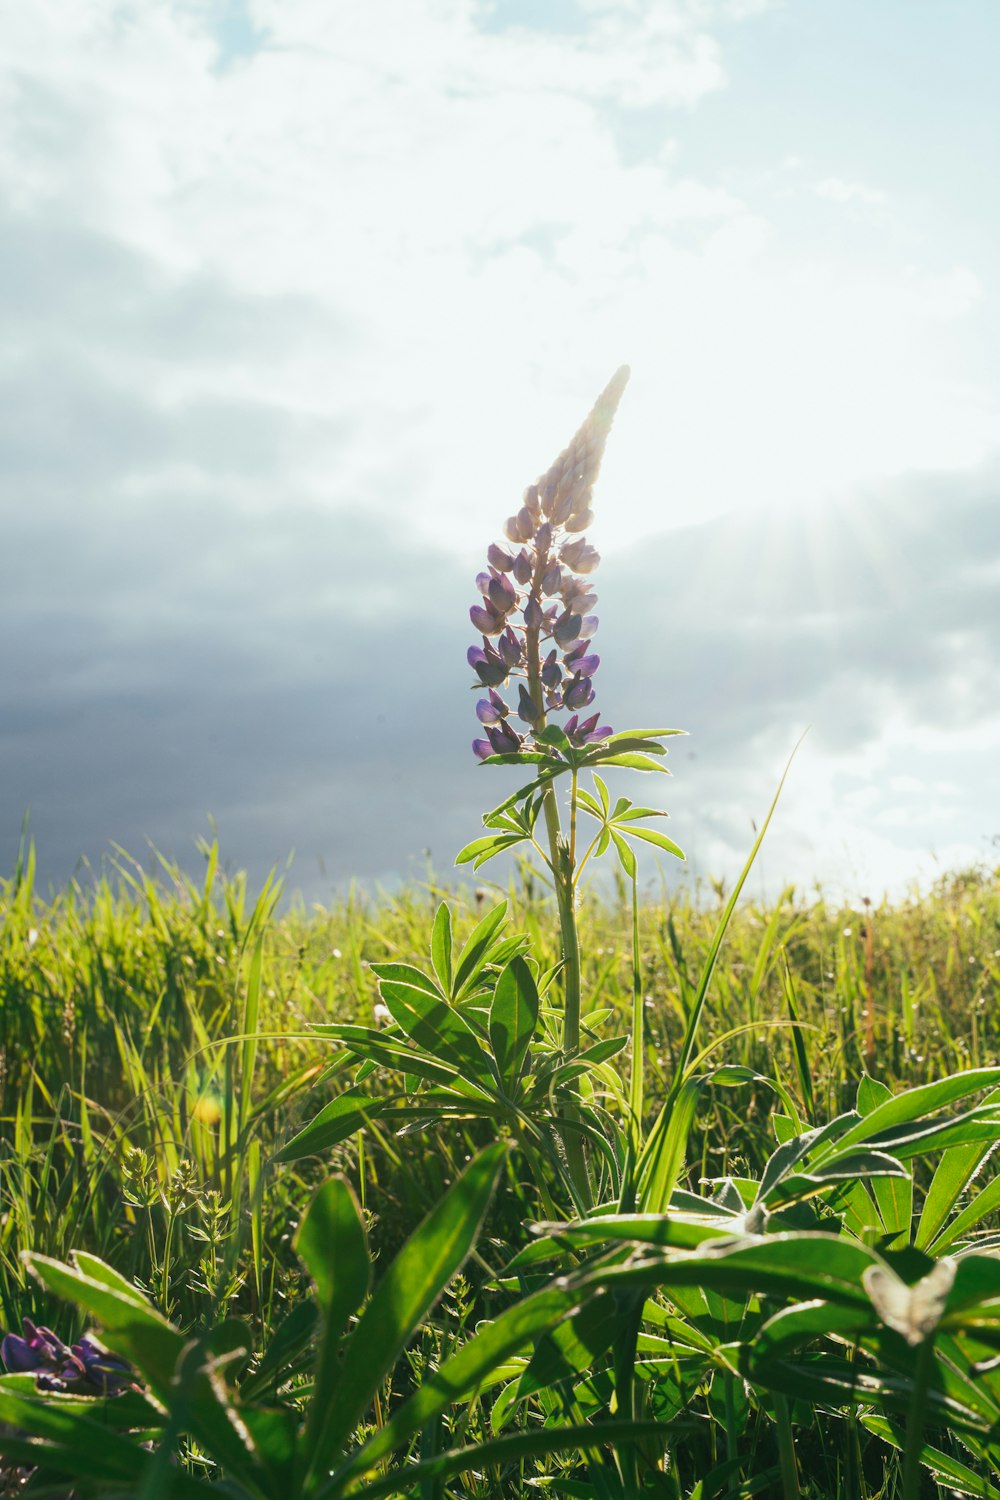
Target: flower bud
510 650
543 538
561 508
503 595
579 693
533 615
481 749
532 500
523 568
527 708
551 579
579 520
566 629
499 558
505 741
579 555
485 619
551 673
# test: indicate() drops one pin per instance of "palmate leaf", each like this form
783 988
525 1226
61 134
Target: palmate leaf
434 1026
402 1299
477 949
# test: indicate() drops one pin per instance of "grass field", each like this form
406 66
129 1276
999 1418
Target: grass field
156 1051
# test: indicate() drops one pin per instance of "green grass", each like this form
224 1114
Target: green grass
155 1051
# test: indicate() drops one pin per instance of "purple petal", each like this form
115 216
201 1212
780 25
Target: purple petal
551 671
503 595
510 649
567 628
552 579
486 713
523 568
579 693
533 614
505 741
481 749
485 619
499 557
527 709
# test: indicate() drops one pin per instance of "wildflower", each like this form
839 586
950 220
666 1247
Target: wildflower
536 599
86 1367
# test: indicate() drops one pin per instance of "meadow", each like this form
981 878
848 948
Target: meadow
481 1192
141 1114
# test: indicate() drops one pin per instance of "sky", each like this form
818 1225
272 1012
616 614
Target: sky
296 298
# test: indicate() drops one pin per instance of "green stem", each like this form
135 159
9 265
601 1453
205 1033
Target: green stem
786 1451
915 1420
635 1090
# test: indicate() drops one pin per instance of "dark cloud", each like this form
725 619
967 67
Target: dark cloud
301 679
186 633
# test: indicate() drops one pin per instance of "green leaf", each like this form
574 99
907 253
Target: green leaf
513 1018
650 836
959 1478
432 1024
476 951
797 1265
333 1246
130 1325
573 1346
626 857
441 946
871 1093
480 851
956 1169
402 1299
642 734
669 1231
505 1451
602 792
914 1104
350 1112
632 761
985 1202
474 1365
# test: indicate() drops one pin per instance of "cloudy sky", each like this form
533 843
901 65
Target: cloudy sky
296 297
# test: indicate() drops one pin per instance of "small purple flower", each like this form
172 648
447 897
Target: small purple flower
579 555
485 619
503 739
85 1367
567 628
502 594
510 649
551 672
482 749
487 664
527 709
491 710
579 693
552 579
499 558
522 569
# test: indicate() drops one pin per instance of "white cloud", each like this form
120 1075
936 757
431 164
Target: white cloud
838 190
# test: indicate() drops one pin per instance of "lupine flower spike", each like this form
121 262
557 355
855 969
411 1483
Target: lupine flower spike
535 613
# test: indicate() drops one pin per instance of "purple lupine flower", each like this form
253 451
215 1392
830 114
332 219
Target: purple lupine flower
491 710
567 628
503 739
510 649
578 693
85 1367
549 559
